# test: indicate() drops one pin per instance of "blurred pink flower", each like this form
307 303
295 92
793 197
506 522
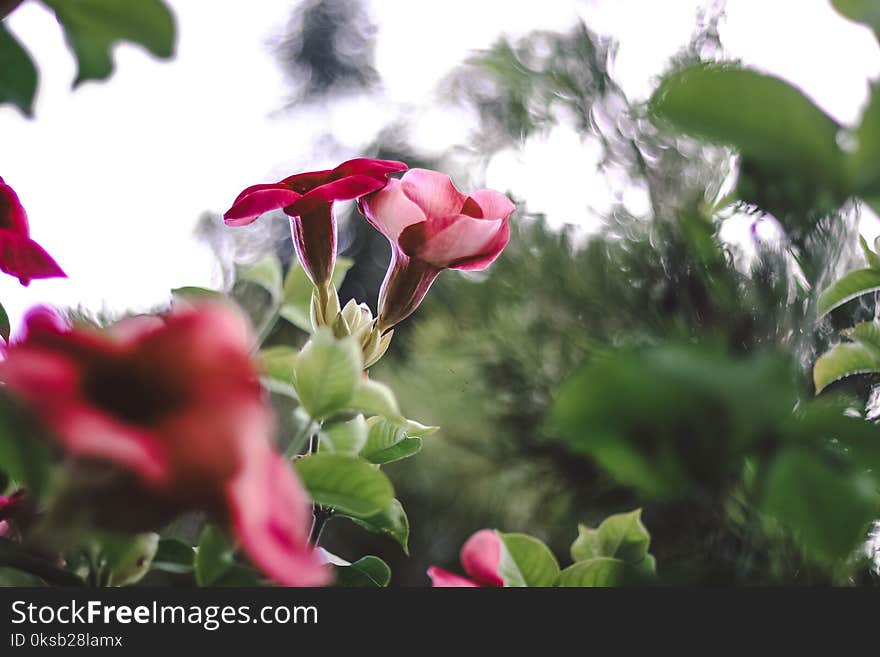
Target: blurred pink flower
432 226
16 514
480 557
177 404
20 256
307 198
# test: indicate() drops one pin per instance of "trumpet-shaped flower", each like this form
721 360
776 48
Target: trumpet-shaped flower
481 559
20 256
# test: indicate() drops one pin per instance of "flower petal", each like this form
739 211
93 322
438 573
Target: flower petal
481 557
490 252
23 258
12 214
390 210
367 167
443 579
257 200
271 515
494 205
343 189
450 241
433 192
304 182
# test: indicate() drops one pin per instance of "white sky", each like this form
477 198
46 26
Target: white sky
115 175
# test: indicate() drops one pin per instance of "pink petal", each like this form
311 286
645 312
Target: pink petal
448 241
304 182
88 433
443 579
494 205
257 200
489 254
481 556
367 167
271 516
12 214
39 375
343 189
132 329
433 192
390 210
25 259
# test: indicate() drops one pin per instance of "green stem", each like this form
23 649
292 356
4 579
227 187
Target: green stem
12 556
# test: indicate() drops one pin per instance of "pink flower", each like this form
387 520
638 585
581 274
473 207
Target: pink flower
308 199
432 226
20 256
177 405
16 514
480 557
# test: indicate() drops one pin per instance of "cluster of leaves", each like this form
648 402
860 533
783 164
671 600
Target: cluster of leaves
92 28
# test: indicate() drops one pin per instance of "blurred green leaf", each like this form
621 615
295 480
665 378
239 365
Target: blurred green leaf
622 536
392 521
348 484
297 294
92 27
24 450
4 324
214 556
852 285
367 571
18 75
173 556
871 256
765 118
599 572
526 561
865 160
387 441
126 559
374 398
849 358
328 371
345 437
861 11
279 362
194 293
265 273
828 509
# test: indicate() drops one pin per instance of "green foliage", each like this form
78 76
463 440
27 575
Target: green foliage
18 75
24 450
367 571
174 556
852 285
844 359
124 560
266 273
526 561
346 438
297 292
602 571
328 371
4 324
391 521
92 27
348 484
862 11
388 442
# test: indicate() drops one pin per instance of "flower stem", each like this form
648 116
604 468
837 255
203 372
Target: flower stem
12 556
321 513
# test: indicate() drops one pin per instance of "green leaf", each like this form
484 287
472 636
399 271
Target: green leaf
24 449
173 556
367 571
526 561
849 358
852 285
92 27
328 370
297 295
345 437
279 362
765 118
861 11
126 559
4 324
599 572
265 273
828 509
348 484
622 536
18 75
214 557
387 441
374 398
871 256
391 521
193 293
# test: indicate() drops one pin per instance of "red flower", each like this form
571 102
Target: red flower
20 256
16 514
308 199
432 226
177 404
481 558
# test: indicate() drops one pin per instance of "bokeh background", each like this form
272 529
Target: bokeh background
125 181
